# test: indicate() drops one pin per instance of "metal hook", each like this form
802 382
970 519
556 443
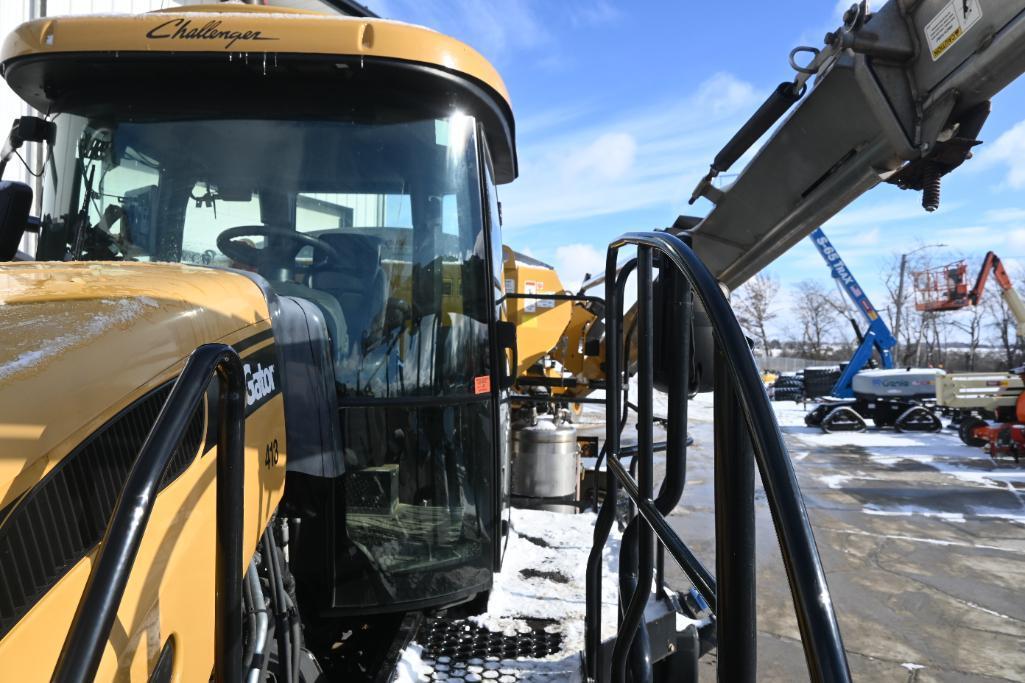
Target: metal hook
814 51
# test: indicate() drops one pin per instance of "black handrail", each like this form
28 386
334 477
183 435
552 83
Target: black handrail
638 585
97 609
734 472
738 387
677 439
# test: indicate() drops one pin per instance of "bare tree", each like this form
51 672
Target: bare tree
1005 327
816 312
971 323
910 328
1001 324
753 304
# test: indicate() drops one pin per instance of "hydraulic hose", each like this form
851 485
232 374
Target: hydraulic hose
259 644
297 637
280 611
250 613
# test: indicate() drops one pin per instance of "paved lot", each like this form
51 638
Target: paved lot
923 540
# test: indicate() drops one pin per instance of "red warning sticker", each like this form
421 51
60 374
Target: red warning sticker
482 384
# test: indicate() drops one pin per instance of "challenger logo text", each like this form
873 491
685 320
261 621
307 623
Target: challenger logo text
183 29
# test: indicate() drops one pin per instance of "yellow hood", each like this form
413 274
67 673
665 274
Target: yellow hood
78 341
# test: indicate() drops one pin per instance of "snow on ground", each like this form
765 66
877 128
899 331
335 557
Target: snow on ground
942 452
699 408
556 545
543 577
410 666
909 510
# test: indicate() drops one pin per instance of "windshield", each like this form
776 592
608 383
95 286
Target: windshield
378 224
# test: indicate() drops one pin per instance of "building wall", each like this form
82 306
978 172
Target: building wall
15 12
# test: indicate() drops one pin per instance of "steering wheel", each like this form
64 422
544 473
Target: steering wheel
251 256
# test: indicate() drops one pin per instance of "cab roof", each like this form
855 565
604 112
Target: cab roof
250 28
253 30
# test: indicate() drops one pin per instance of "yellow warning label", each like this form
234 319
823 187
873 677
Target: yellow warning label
947 42
950 24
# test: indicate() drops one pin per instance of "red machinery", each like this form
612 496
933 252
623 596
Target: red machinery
946 289
1006 435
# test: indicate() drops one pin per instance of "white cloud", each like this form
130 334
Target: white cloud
609 157
1009 150
643 158
1006 215
594 14
723 94
574 261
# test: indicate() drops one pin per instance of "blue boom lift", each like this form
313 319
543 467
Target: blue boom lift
876 338
889 397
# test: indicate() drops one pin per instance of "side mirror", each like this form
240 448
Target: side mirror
26 129
15 204
667 295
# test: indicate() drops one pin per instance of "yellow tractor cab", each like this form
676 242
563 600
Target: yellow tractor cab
319 192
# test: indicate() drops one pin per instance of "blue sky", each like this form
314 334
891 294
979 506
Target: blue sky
621 106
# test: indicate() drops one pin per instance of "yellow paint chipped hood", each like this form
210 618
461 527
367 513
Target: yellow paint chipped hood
79 341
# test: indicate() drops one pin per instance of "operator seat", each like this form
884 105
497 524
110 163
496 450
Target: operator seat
334 318
359 283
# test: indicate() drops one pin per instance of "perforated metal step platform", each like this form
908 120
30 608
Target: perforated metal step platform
459 650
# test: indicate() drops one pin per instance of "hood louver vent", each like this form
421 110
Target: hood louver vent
63 517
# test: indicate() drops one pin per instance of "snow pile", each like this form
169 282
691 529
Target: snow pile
410 667
543 575
542 578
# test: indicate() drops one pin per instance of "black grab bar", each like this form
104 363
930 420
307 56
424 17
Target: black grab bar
740 401
90 627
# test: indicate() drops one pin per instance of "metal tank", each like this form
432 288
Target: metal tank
545 465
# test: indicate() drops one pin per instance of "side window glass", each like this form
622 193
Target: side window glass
494 223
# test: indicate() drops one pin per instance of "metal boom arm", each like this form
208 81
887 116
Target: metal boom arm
900 95
1011 296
